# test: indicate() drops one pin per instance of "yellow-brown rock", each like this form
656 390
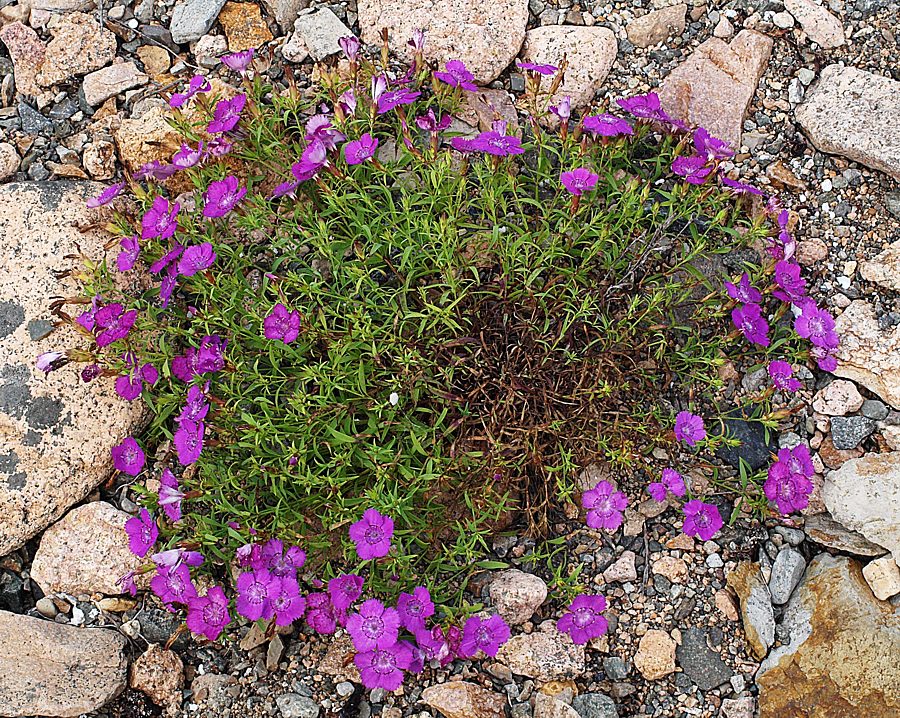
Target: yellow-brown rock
244 26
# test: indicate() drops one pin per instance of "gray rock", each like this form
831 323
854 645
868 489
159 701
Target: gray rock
33 122
615 668
787 570
756 606
875 410
595 705
51 669
892 201
755 447
320 32
794 537
12 592
293 705
192 19
825 531
702 664
847 432
855 114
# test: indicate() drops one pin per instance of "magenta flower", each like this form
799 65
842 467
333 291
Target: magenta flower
414 608
115 322
463 144
584 621
743 291
129 386
358 151
693 169
196 258
280 324
711 147
457 75
816 324
176 556
219 146
279 562
106 196
434 646
188 440
226 114
604 506
208 615
394 98
221 197
155 170
752 324
672 482
701 519
187 156
782 375
287 603
579 181
350 46
607 125
160 220
372 535
739 187
239 61
644 107
431 124
128 255
197 84
347 102
128 457
383 667
196 407
788 485
320 613
173 585
689 428
167 259
170 496
497 144
824 357
255 593
373 626
792 285
142 533
483 635
539 68
345 590
319 127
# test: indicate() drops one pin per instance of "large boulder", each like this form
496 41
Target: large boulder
840 660
56 431
714 86
484 35
869 355
50 669
855 114
864 496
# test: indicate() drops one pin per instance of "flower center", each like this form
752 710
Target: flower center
582 617
213 614
374 534
384 662
373 627
702 520
256 593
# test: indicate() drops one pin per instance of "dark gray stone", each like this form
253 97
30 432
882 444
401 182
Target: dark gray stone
702 664
615 668
874 409
595 705
33 122
755 448
847 432
192 19
39 328
12 592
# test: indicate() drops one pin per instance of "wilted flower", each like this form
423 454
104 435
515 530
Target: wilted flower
539 68
128 255
373 626
583 620
372 535
226 114
197 84
345 590
743 291
604 506
239 61
350 46
563 110
579 181
170 496
430 123
142 533
693 169
208 615
320 613
106 196
485 635
358 151
825 358
417 41
50 361
221 197
701 519
320 127
155 169
160 220
740 187
712 147
752 324
607 125
457 75
347 101
689 428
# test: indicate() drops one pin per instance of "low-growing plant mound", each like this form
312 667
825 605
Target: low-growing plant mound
367 309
